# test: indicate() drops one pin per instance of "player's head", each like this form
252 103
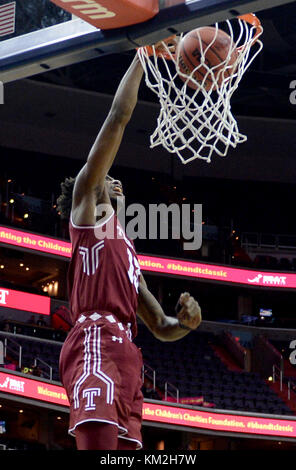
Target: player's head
115 191
64 201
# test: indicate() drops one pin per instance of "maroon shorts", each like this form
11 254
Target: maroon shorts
100 369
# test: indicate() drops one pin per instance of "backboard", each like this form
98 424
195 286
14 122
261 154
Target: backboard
37 36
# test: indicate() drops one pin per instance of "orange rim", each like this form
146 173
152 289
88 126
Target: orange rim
164 53
250 18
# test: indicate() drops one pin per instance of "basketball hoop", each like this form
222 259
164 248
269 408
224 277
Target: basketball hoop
195 120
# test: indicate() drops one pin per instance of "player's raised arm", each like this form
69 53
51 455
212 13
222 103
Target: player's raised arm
163 327
89 185
106 145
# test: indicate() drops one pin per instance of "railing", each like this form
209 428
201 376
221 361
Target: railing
241 354
166 392
267 357
291 386
18 353
45 363
1 353
277 373
264 240
152 377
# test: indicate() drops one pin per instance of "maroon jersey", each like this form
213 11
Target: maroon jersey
104 272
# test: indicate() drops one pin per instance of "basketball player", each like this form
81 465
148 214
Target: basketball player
100 366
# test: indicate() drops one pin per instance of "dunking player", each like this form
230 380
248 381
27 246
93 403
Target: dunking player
100 366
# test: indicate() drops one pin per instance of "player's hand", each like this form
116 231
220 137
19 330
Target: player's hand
166 48
169 43
190 313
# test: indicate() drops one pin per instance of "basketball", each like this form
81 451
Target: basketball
204 51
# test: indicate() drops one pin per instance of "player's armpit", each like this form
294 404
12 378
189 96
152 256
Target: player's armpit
85 200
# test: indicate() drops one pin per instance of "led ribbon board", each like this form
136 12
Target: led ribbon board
160 413
29 388
35 242
176 267
220 273
23 301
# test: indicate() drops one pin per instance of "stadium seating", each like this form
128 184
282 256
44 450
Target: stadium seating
18 444
44 351
189 364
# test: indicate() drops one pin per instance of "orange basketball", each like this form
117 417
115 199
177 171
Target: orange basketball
196 42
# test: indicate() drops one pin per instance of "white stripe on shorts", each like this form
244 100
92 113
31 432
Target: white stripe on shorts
97 366
86 366
93 354
120 428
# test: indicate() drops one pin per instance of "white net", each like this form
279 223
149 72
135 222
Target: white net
195 118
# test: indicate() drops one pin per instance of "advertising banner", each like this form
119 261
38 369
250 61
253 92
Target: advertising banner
23 301
160 413
176 267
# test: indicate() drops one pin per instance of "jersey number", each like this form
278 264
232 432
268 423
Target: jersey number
134 269
90 262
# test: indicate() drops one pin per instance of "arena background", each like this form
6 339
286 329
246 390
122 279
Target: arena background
229 385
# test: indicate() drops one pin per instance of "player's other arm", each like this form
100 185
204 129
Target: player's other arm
163 327
89 183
